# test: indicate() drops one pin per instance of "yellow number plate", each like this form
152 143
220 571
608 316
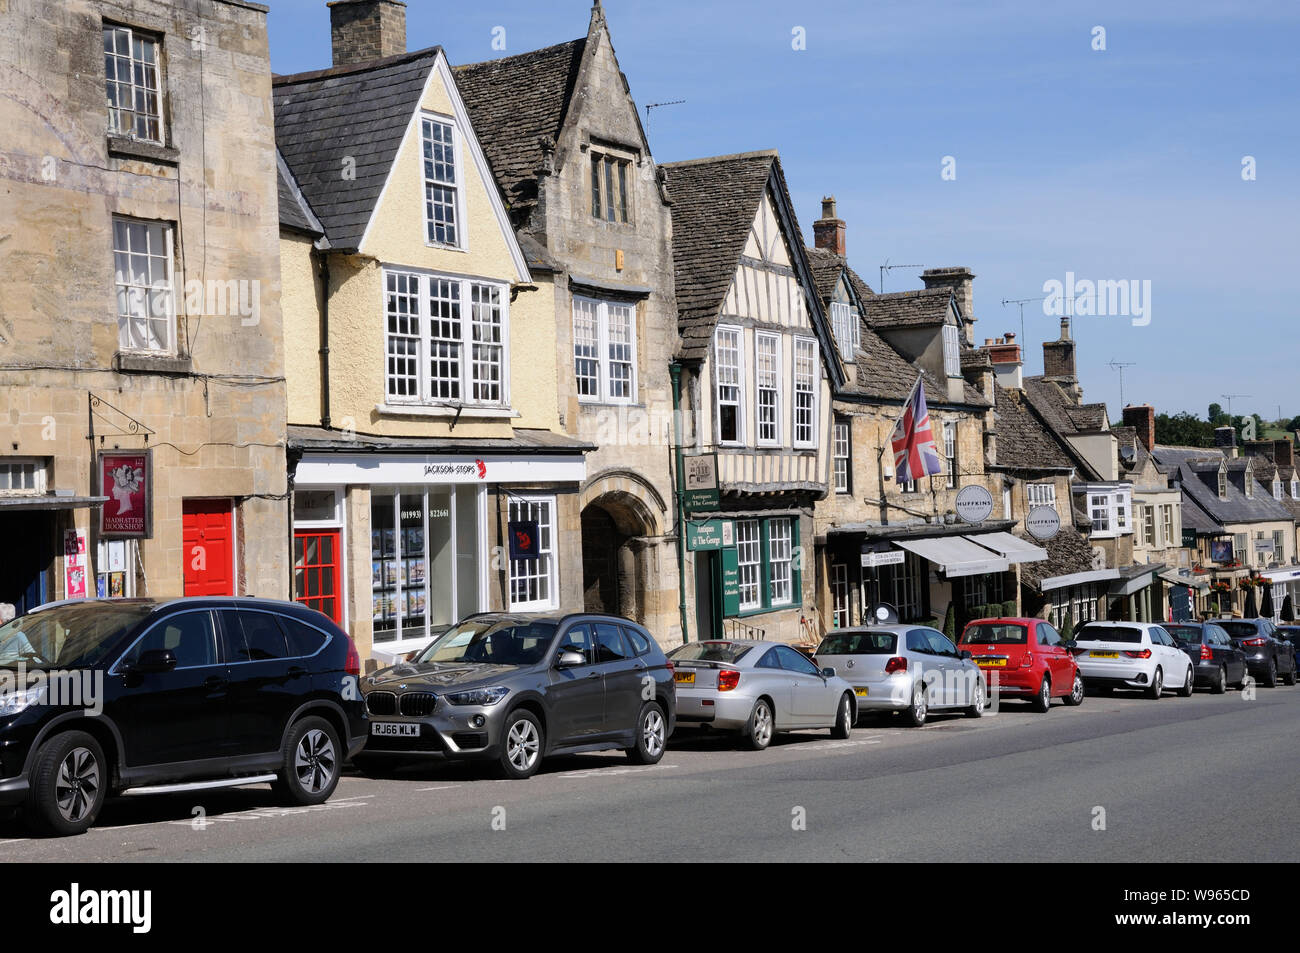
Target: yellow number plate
684 678
991 662
860 692
1103 654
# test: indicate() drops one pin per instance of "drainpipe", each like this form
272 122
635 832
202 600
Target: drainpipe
324 339
675 371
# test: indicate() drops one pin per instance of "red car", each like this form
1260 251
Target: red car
1030 658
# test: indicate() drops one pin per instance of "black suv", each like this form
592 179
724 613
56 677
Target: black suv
1268 655
98 697
517 687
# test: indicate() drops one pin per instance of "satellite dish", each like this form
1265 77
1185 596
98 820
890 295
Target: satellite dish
882 613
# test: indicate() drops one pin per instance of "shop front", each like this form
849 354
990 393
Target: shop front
397 547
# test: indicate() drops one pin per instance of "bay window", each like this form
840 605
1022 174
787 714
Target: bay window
767 380
768 572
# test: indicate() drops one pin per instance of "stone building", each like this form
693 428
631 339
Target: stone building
902 544
142 397
563 137
424 438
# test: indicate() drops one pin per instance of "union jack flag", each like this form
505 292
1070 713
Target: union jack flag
915 454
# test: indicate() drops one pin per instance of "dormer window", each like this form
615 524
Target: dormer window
951 351
1249 482
843 327
1277 489
1295 489
1223 482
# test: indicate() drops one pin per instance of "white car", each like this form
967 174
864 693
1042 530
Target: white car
1133 655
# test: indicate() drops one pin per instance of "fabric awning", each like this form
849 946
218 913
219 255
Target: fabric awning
955 555
1285 574
1012 548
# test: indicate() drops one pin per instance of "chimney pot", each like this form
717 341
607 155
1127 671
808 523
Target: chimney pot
829 230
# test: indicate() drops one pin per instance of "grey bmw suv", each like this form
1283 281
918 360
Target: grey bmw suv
515 688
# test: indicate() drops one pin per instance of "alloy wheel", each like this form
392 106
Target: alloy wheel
762 724
77 785
523 746
652 733
314 761
1076 692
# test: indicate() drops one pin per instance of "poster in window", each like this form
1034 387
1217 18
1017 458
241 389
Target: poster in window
415 603
413 540
415 572
116 585
390 572
126 478
377 573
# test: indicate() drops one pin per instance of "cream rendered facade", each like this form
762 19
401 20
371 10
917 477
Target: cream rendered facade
420 492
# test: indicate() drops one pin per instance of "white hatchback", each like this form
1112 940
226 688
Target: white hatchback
1133 655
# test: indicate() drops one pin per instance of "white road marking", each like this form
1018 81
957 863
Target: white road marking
441 787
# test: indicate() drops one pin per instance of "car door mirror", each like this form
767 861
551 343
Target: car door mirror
155 660
570 659
828 672
1069 644
965 653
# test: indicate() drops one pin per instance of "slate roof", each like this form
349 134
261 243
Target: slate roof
515 103
1198 472
360 112
1022 440
1067 553
909 309
294 211
715 202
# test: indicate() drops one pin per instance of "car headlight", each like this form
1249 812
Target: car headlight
478 696
11 703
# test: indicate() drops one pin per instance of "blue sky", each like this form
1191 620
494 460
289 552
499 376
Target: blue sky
1124 163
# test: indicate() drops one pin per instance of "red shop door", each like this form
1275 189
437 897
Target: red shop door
316 572
208 548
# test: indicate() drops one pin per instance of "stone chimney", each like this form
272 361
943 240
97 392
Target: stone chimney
959 279
1058 362
1008 364
1283 453
1142 418
1225 439
365 30
828 231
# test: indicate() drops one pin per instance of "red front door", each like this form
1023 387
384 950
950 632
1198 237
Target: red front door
316 560
208 548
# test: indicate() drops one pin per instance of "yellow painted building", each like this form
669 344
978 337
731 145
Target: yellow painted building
424 435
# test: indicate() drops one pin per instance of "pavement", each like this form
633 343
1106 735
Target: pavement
1120 778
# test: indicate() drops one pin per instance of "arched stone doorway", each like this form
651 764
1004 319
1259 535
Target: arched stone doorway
619 523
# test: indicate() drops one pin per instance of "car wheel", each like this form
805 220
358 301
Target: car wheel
844 718
1157 684
1220 683
759 729
977 709
651 735
1043 700
1290 677
311 762
916 714
1189 684
1270 680
68 785
1075 697
521 745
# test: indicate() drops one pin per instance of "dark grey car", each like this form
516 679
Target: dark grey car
515 688
1267 655
1219 663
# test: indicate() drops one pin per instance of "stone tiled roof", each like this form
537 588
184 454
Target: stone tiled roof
358 113
972 357
714 205
884 374
1067 553
909 309
517 105
1059 411
826 268
1022 440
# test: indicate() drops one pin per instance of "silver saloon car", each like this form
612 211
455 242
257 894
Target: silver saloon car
908 668
757 689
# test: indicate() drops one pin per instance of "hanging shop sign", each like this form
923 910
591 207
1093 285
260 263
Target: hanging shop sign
126 478
974 503
700 486
524 542
709 535
1043 522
